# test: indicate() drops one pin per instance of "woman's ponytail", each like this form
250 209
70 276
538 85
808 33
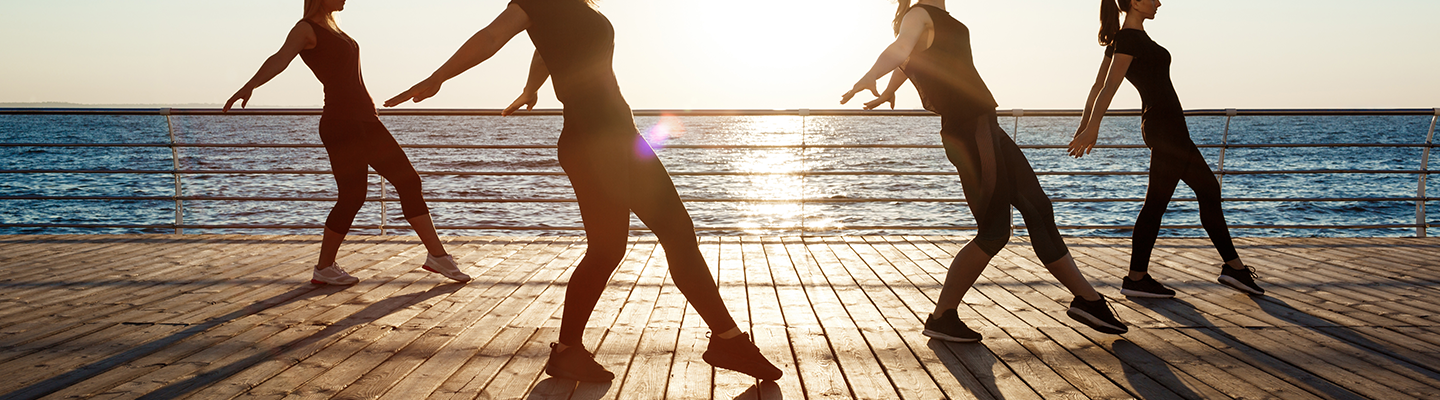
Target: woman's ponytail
1110 19
900 14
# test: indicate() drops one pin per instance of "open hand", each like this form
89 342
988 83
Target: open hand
421 91
884 98
243 96
859 86
1084 142
527 99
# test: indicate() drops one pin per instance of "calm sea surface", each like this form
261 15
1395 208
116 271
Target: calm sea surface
739 217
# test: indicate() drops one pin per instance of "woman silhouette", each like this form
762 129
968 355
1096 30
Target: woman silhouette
932 49
612 170
354 138
1131 54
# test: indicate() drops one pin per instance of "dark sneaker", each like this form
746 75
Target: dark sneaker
577 364
949 327
741 355
1240 279
1145 287
1096 315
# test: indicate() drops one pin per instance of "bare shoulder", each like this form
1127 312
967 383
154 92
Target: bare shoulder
302 34
917 14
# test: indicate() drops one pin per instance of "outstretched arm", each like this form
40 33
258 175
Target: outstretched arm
301 37
479 48
538 74
912 28
1112 72
897 78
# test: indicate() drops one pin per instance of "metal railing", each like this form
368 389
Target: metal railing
1421 222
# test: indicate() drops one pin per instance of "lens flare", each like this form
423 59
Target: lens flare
668 127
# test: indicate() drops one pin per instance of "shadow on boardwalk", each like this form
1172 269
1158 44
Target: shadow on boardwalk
48 386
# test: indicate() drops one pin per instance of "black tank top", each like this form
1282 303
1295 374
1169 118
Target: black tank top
335 60
1149 72
945 74
578 46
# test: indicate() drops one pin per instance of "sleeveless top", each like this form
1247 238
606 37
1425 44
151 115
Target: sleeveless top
578 46
335 60
1150 74
945 73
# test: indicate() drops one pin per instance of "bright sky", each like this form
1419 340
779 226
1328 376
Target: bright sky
728 54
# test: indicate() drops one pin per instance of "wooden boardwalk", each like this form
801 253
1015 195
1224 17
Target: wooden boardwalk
218 317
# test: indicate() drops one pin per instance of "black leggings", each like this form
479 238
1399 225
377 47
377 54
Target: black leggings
614 174
356 145
995 175
1172 161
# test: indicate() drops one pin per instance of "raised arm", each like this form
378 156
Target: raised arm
538 74
301 37
912 28
479 48
1112 72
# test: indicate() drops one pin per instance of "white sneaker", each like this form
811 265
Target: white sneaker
333 275
445 265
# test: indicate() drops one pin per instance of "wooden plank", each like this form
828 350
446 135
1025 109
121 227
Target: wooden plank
768 323
814 369
338 365
117 323
132 263
863 369
907 307
628 329
690 376
730 268
1365 335
296 332
472 314
984 362
499 329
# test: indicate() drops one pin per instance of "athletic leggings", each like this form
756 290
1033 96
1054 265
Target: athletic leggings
355 145
995 175
1172 161
614 174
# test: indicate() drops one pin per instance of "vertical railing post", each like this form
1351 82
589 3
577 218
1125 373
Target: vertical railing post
175 170
382 205
1015 131
1014 135
1224 145
804 173
1420 220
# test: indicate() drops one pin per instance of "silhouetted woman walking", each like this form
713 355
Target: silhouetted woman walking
1131 54
354 138
612 170
932 49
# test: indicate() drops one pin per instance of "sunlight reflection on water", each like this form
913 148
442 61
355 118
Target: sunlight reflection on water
766 173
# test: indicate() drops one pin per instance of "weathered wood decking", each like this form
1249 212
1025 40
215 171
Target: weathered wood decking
215 317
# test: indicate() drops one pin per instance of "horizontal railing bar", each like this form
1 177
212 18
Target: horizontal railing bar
730 200
709 228
706 112
708 146
781 173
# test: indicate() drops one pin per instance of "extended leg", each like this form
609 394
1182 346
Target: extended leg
1164 175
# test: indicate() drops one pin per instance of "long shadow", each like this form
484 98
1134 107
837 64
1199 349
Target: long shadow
765 390
553 388
1284 311
1182 311
1138 362
366 315
970 357
54 384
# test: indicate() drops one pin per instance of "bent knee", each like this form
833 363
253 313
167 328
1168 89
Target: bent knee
992 243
